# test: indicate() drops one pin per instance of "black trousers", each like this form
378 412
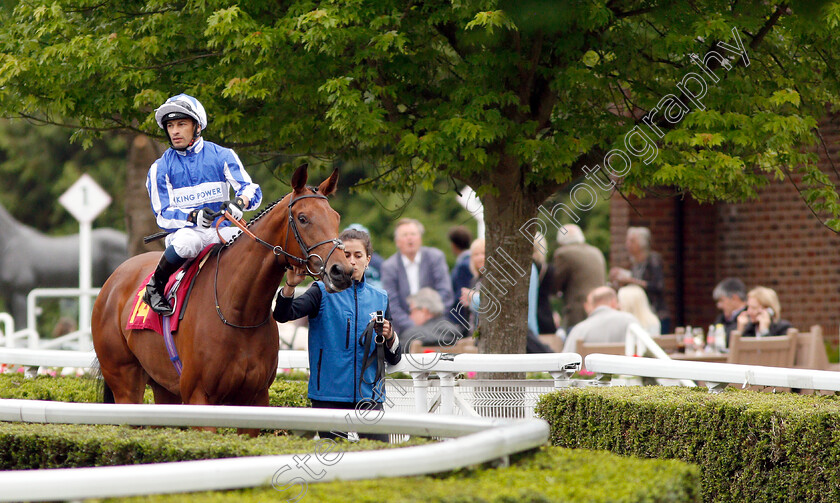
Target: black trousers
323 404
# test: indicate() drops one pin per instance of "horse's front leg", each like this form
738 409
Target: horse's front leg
193 394
261 400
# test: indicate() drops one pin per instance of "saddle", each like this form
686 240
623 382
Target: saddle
178 290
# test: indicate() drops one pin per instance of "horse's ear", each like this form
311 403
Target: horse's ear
328 186
299 178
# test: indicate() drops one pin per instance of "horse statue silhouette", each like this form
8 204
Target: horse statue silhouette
30 259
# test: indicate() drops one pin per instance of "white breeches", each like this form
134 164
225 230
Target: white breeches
189 241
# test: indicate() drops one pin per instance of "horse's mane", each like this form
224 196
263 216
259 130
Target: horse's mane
263 213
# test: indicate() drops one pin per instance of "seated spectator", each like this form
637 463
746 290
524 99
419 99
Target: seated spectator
763 316
430 325
578 269
731 298
647 271
545 286
632 299
460 239
605 322
410 269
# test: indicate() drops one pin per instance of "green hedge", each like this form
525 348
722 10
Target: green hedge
550 475
30 446
750 446
282 393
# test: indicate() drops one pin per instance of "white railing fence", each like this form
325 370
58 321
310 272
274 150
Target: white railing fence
478 441
7 335
715 375
638 342
429 371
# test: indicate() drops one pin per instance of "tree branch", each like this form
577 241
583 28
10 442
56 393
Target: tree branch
176 62
787 173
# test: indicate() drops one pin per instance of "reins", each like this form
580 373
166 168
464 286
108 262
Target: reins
277 250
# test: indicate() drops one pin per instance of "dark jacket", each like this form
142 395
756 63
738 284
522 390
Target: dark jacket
545 315
434 273
730 324
651 271
336 323
435 332
776 328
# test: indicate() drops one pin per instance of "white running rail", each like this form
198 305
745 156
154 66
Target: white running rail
7 336
483 440
561 366
715 375
638 341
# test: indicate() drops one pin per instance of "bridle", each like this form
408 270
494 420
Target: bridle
279 250
307 250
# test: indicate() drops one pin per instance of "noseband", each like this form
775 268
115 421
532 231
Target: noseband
278 250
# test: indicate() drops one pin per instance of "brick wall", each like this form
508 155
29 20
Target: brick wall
774 241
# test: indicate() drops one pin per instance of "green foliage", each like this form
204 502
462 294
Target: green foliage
750 446
31 154
36 446
282 393
549 474
62 389
437 90
515 99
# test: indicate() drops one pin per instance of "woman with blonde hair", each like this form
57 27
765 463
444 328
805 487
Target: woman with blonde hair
763 315
633 299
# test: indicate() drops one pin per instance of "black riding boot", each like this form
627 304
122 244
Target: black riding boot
155 296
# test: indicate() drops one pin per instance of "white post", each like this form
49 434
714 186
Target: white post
33 339
8 329
447 392
421 387
85 200
84 285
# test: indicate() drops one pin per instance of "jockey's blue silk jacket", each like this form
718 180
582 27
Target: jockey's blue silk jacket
198 177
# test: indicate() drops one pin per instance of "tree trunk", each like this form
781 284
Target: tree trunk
140 221
504 292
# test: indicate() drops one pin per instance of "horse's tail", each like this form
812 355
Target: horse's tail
102 388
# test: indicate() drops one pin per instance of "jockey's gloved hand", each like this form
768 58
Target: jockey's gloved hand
201 218
235 208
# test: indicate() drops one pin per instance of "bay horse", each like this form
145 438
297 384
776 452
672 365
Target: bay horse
227 340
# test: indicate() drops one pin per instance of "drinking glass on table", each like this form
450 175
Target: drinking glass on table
699 338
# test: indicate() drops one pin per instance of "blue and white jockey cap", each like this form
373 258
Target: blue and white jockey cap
179 106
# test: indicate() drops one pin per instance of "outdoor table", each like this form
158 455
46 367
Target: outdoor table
700 356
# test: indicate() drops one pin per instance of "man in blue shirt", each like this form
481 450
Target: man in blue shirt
187 185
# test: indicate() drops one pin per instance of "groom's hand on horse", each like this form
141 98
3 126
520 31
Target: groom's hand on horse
294 275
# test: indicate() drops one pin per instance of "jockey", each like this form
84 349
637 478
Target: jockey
189 183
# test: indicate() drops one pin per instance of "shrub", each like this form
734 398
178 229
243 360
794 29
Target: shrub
282 393
750 446
548 475
31 446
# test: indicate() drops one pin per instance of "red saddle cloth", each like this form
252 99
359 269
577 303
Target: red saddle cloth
143 318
